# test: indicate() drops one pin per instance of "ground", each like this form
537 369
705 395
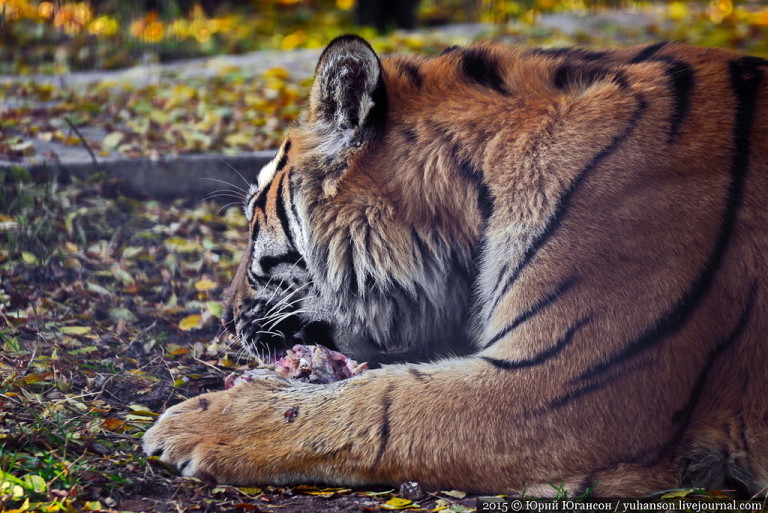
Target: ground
108 315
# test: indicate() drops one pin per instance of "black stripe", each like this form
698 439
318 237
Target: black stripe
541 357
267 263
665 448
420 376
485 202
261 201
424 253
582 390
648 52
685 412
410 135
681 82
367 241
563 203
253 280
284 159
448 50
411 71
292 193
745 80
575 53
480 66
352 273
536 308
568 75
384 432
282 213
585 489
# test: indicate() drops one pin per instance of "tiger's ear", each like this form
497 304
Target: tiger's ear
347 104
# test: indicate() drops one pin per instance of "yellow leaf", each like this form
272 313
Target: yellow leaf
206 284
677 10
29 258
677 494
397 503
239 139
159 117
250 491
278 73
75 330
112 140
114 425
189 322
456 494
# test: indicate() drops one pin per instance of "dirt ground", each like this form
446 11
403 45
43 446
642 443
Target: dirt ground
108 315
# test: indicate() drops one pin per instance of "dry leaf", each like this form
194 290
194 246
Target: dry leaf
189 322
206 284
75 330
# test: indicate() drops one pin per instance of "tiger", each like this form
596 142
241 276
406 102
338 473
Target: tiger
556 261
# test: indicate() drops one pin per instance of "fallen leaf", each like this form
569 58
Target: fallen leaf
677 494
121 314
35 483
179 351
84 350
398 503
456 494
75 330
114 425
205 284
215 308
112 140
189 322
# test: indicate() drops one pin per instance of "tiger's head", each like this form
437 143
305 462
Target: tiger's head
361 237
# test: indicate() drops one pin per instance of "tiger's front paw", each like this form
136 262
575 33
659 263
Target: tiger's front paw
220 436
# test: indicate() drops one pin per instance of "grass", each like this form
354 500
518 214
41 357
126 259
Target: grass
84 330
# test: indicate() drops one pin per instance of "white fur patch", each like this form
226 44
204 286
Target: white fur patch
267 172
263 179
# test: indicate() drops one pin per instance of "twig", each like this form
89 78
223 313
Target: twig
198 360
82 139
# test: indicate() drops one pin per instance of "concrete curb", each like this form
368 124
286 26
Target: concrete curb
183 176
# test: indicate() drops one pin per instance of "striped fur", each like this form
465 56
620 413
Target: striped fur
573 242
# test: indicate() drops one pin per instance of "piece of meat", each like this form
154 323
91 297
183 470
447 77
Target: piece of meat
317 364
308 363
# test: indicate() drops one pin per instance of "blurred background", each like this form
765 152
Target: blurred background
61 35
155 78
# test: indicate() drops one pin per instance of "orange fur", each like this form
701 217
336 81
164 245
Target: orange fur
630 187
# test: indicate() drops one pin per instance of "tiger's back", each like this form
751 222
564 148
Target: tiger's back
645 238
587 228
